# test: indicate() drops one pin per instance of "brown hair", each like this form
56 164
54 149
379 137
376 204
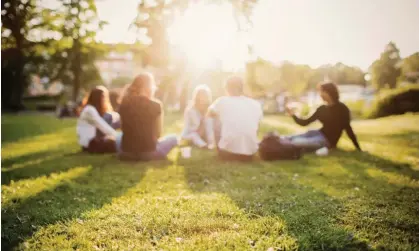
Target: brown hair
139 83
234 85
331 89
95 99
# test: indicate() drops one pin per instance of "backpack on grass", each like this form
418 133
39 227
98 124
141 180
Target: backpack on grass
272 148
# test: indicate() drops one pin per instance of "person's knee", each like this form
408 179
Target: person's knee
173 139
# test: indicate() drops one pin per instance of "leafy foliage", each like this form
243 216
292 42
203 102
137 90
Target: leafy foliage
21 47
397 101
385 70
410 68
263 76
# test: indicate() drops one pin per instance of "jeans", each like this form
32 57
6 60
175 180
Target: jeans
113 119
163 147
309 141
203 136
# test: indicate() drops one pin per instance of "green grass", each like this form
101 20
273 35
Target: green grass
56 198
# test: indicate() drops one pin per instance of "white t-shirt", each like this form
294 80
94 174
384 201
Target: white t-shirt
87 123
239 117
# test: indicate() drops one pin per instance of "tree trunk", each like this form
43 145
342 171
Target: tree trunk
76 67
19 77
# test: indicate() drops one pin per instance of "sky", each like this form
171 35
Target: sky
313 32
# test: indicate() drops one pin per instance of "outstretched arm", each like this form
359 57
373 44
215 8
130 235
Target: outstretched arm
304 122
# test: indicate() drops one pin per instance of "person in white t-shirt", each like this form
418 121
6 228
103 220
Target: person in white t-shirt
239 118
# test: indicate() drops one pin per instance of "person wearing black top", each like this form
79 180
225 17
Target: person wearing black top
334 116
141 121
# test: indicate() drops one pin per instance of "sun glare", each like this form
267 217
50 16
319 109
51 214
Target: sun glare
207 36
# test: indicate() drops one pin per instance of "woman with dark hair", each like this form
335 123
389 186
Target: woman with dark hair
97 123
334 116
142 122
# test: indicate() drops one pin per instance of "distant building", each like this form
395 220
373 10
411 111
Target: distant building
42 86
117 64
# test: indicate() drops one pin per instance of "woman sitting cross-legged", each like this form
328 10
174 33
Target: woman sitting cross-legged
142 121
97 123
335 117
198 127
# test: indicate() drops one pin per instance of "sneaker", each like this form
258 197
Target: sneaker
324 151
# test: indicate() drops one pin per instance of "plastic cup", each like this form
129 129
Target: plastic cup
186 152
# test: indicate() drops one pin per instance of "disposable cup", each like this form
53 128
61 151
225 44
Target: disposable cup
186 152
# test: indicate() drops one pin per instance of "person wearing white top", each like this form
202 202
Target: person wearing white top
95 134
198 128
239 117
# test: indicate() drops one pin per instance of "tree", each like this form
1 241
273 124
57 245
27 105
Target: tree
154 16
410 68
27 29
80 24
385 71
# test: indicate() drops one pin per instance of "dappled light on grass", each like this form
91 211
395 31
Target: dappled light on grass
162 211
16 192
16 152
65 199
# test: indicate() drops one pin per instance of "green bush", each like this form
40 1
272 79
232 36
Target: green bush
396 101
357 108
305 110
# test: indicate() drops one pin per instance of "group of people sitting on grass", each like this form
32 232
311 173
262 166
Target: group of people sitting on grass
230 124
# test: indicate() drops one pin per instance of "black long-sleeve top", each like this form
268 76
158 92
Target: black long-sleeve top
335 118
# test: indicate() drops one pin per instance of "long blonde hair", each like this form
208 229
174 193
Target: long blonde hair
197 96
135 88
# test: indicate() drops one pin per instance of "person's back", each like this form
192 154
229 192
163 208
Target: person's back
139 115
239 117
335 118
142 120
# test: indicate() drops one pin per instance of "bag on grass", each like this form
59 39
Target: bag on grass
272 148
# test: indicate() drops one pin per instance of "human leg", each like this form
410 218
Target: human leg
165 145
196 139
309 141
209 131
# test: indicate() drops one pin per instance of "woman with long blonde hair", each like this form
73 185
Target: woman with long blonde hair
142 122
199 128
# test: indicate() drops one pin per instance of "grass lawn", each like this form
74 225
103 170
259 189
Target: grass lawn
56 198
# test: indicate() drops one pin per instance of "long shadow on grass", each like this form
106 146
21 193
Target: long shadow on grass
267 189
38 164
105 179
21 127
318 199
388 201
385 165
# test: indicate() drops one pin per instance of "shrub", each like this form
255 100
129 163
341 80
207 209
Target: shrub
358 108
305 110
397 101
